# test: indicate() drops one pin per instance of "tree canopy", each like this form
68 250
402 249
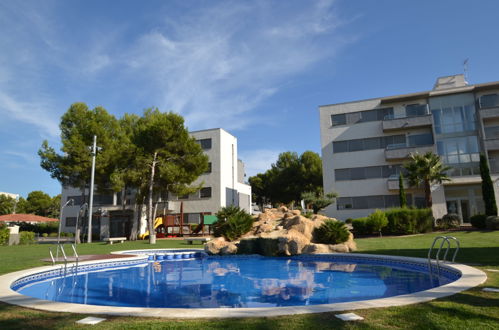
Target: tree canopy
37 202
152 153
289 177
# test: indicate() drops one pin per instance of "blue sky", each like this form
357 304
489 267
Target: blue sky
259 69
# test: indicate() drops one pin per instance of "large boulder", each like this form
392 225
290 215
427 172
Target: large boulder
215 245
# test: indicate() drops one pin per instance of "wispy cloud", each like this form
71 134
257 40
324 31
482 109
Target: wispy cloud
34 113
216 65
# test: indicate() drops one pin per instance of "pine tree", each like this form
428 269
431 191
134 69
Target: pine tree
487 188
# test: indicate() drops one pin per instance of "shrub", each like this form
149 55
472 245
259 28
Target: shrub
349 220
4 234
45 235
26 237
376 221
331 232
403 221
360 226
53 235
232 223
449 221
492 222
478 221
308 214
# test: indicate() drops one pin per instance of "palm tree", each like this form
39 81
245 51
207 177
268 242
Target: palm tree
425 170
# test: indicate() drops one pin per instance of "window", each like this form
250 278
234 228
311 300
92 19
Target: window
370 172
413 110
361 116
489 101
459 150
205 192
77 200
454 119
420 139
492 132
340 146
70 221
186 196
205 143
338 119
103 199
344 203
368 143
370 202
209 168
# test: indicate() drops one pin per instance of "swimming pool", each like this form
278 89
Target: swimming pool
244 284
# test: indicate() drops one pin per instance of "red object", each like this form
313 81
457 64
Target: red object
25 218
160 235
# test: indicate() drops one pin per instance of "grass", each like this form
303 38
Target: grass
472 309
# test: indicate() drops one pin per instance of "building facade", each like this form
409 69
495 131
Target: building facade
365 143
117 215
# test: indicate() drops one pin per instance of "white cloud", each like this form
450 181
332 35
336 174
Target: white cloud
34 113
258 161
216 65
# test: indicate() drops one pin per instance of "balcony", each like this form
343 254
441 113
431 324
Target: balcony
403 151
489 106
489 113
407 122
415 116
492 144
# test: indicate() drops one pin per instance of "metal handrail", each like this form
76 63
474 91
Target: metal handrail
76 256
52 256
445 239
65 258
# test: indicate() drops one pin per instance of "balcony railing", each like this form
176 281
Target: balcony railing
488 101
410 111
403 151
419 116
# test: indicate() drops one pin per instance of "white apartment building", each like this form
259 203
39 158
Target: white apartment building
223 185
365 143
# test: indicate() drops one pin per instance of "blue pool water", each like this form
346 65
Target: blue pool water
235 282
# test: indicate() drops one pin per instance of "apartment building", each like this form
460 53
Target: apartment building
223 185
365 143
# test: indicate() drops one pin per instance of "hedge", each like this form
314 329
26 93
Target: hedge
403 221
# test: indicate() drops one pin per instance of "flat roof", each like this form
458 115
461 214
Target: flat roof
425 94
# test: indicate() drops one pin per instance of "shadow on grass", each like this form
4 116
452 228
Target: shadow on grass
484 256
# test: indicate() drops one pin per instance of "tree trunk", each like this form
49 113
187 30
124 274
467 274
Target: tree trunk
152 234
427 194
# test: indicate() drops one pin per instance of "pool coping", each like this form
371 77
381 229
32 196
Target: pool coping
470 277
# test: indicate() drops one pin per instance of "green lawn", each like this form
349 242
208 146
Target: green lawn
472 309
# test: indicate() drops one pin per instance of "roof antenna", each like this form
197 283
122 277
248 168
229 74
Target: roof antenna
465 69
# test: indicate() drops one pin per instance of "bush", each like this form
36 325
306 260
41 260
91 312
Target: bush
4 234
308 214
26 237
53 235
45 235
449 221
492 223
360 226
331 232
232 223
349 220
403 221
478 221
376 221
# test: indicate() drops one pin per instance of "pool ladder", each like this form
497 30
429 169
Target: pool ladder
61 247
444 239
